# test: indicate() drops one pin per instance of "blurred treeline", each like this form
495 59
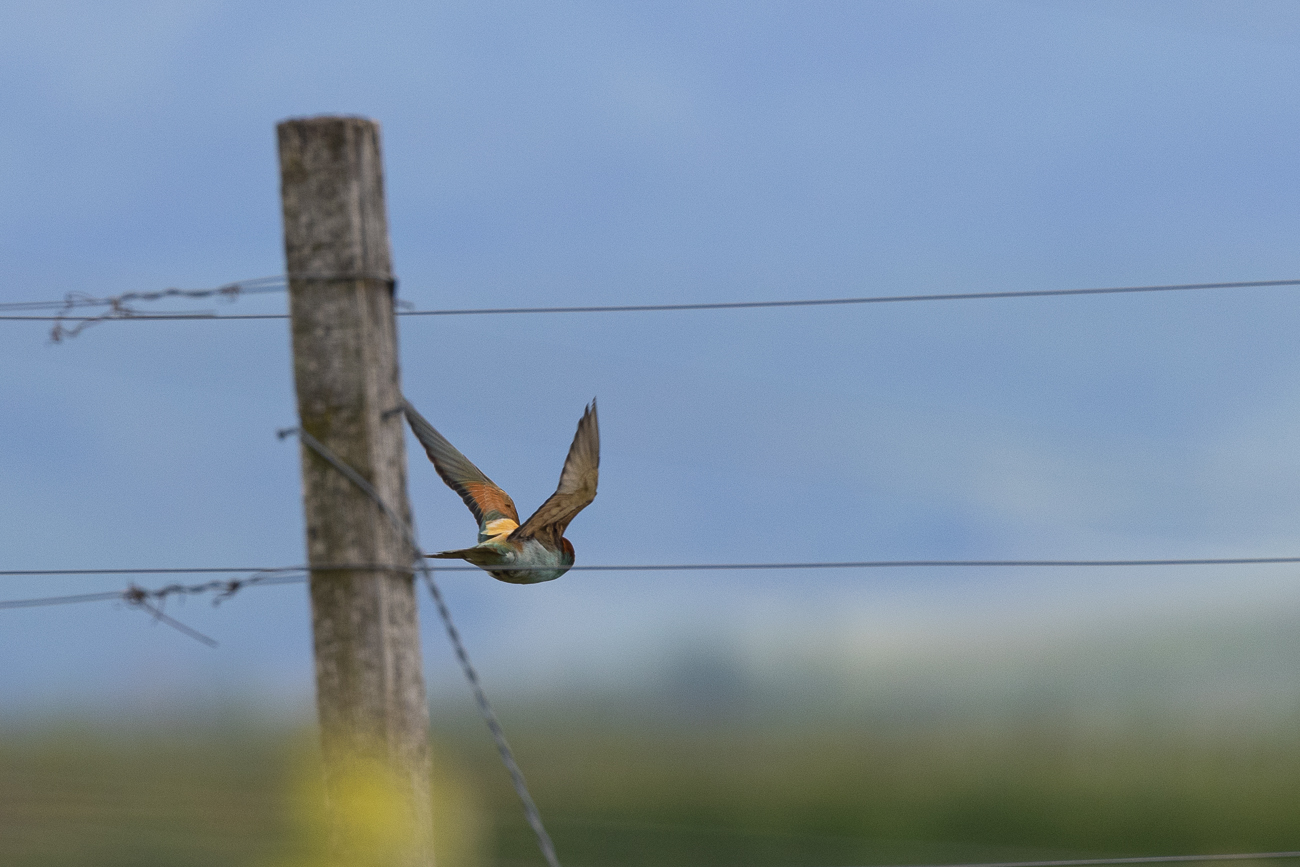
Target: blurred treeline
639 789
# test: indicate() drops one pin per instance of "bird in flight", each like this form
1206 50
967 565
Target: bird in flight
535 550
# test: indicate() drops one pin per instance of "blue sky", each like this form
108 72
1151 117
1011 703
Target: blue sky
574 153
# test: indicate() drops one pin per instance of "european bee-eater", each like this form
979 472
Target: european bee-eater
535 550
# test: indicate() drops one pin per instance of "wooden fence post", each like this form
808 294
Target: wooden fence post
370 694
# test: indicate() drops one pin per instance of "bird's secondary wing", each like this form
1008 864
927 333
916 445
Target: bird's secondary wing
485 499
577 484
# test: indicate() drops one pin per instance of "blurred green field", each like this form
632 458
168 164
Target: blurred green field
717 792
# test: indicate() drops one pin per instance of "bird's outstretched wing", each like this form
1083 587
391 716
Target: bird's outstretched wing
577 485
485 499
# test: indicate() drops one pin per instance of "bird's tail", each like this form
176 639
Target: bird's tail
476 555
462 554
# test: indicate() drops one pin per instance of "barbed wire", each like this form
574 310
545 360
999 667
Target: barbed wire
691 567
271 576
73 300
120 306
224 589
909 564
204 570
121 311
873 299
110 596
154 600
406 529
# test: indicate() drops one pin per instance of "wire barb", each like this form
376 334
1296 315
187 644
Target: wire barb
138 597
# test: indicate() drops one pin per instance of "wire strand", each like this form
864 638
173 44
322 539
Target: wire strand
73 300
62 600
139 597
648 308
273 573
906 564
208 570
1149 859
874 299
691 567
223 589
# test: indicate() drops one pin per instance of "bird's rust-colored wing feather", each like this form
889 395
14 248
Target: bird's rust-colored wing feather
577 485
485 499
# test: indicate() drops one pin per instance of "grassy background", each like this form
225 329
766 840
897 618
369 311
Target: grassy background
727 791
1144 737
